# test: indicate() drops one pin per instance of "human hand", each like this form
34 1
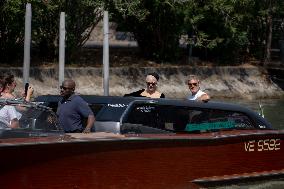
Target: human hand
204 98
87 130
30 91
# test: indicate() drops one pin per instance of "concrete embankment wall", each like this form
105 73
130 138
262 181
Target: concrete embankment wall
219 82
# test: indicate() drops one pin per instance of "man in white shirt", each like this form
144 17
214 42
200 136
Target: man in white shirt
196 93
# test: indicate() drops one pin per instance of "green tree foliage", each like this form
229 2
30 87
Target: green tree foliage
158 32
81 17
11 28
220 30
218 27
264 13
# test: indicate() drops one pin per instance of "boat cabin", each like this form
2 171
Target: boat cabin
125 115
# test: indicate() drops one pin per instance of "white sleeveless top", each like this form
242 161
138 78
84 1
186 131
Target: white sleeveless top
196 96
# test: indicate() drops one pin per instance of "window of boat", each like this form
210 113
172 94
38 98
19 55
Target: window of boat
144 114
173 118
179 118
214 119
152 118
142 118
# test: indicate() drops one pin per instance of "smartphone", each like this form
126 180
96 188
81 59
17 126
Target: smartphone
26 88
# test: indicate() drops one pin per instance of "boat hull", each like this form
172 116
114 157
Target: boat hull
140 161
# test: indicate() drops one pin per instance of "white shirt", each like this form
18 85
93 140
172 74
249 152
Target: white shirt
196 96
8 113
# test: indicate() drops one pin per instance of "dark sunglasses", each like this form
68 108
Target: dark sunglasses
149 83
192 84
65 88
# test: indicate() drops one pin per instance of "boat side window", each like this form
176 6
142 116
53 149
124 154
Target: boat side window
173 118
214 119
163 117
144 114
157 119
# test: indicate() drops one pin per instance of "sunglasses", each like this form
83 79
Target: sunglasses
149 83
65 88
192 84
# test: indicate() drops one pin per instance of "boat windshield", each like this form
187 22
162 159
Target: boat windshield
20 115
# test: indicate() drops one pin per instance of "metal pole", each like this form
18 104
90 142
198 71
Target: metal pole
106 55
27 43
61 48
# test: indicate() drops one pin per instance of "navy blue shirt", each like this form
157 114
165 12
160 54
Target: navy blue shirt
71 112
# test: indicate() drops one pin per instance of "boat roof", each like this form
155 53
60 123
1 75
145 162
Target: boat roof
116 105
91 99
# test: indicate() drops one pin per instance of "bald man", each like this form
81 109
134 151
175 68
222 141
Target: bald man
72 108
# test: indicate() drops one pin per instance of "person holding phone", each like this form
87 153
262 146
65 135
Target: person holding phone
9 114
8 87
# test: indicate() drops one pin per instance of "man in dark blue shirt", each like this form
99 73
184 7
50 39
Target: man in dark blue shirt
72 109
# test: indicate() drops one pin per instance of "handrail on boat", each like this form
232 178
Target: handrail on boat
22 102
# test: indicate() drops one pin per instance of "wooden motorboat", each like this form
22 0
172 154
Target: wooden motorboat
144 143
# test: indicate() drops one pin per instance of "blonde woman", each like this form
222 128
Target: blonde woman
151 88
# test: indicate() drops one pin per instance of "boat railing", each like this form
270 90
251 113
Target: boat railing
37 105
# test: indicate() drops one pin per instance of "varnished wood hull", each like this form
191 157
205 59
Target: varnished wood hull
185 161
